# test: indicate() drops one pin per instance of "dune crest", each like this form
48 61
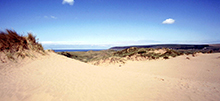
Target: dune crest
57 78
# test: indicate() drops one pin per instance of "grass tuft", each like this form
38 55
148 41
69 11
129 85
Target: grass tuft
11 43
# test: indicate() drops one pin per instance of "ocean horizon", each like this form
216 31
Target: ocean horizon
76 50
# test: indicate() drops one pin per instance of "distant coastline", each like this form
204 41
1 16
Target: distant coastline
214 47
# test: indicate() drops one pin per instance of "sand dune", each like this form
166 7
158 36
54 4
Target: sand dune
57 78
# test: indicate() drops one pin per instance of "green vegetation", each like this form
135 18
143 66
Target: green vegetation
132 53
148 53
121 56
12 44
89 55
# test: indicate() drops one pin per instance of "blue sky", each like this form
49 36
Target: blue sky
106 23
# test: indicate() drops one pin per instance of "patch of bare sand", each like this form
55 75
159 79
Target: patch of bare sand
161 51
57 78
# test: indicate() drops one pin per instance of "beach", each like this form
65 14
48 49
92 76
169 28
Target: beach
53 77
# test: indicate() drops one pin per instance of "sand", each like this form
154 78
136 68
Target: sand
58 78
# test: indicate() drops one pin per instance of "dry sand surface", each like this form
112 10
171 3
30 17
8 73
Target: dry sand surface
57 78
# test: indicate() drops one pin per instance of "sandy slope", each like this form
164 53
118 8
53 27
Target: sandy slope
58 78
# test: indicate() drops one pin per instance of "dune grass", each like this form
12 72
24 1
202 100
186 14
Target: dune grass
133 53
89 55
13 44
121 56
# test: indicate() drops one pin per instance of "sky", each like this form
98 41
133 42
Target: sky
101 24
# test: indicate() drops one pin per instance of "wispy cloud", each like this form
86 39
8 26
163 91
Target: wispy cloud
63 42
139 42
73 45
168 21
53 17
70 2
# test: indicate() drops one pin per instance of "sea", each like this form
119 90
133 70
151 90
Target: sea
76 50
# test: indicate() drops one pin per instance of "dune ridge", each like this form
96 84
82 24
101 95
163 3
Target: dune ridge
57 78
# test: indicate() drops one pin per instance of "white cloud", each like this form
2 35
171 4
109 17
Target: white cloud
168 21
118 43
53 17
70 2
68 43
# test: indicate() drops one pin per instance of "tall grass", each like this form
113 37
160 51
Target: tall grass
14 44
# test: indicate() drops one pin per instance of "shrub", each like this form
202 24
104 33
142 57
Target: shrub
166 57
66 54
126 52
